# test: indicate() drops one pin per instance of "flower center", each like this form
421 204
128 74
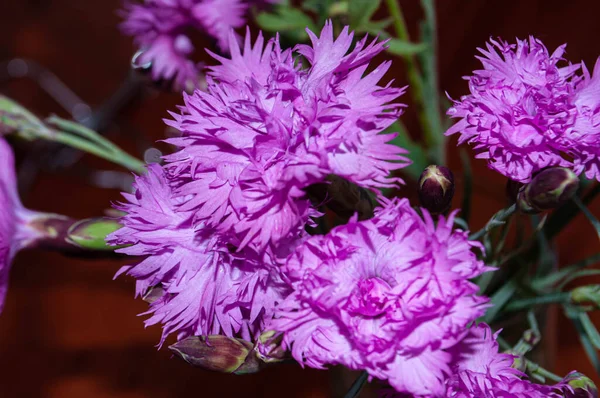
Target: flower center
369 298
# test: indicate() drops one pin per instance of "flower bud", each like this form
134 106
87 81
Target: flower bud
436 189
91 233
269 347
549 189
586 294
218 353
580 385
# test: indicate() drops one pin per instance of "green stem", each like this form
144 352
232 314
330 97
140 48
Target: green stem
531 366
116 156
414 76
357 385
558 297
497 219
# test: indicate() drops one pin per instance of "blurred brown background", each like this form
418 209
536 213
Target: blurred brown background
69 330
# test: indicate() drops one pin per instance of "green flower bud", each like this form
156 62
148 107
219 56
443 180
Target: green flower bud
91 233
218 353
586 294
436 189
582 386
549 189
269 347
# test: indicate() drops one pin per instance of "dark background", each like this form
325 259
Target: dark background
69 330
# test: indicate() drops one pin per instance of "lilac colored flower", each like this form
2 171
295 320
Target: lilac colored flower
389 295
479 370
584 136
518 108
15 234
204 288
268 128
161 29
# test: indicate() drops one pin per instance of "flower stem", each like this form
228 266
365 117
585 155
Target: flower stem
116 156
428 110
357 385
497 219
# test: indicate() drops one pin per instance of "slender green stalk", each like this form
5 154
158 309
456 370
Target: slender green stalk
119 157
557 297
531 366
357 385
414 76
497 219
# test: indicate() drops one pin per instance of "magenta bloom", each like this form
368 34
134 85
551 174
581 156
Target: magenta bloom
389 295
266 129
479 370
161 29
203 287
584 136
15 233
518 108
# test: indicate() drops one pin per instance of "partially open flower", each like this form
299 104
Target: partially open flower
436 188
579 386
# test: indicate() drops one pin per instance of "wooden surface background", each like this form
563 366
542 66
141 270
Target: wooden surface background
69 330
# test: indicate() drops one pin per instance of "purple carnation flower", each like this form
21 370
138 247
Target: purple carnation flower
267 128
203 286
479 370
160 28
15 220
518 108
583 138
389 295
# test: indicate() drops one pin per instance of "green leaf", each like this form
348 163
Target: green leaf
569 272
376 28
593 220
586 341
91 233
403 47
286 19
500 298
416 152
319 7
361 11
590 329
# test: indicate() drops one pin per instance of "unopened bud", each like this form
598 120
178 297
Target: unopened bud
589 294
518 363
531 337
91 233
436 189
218 353
580 385
549 189
270 347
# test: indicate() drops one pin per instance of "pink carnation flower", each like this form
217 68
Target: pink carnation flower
203 287
584 136
479 370
267 128
161 29
389 295
517 111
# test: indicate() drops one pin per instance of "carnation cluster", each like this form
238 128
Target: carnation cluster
223 222
529 109
218 219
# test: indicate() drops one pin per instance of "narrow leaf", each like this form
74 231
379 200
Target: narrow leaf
590 329
361 11
416 152
357 385
591 352
286 19
403 47
593 220
499 300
